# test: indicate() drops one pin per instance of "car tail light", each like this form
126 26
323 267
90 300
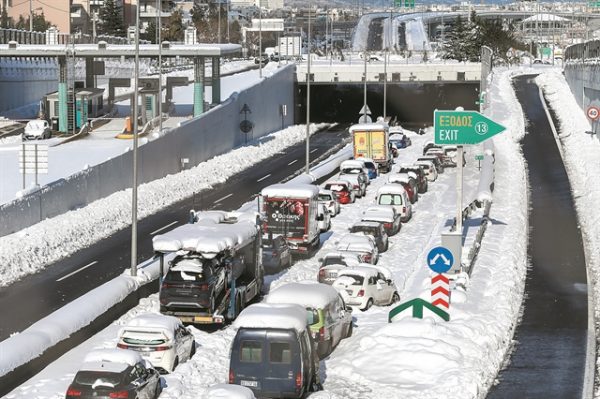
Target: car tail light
367 258
322 333
321 274
122 346
403 209
387 225
166 285
72 392
119 394
298 381
355 186
361 293
275 253
162 348
231 376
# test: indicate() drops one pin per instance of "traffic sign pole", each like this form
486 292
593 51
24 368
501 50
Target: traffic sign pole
459 189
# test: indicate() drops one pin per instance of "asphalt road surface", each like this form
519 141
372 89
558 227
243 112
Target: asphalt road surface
36 296
549 356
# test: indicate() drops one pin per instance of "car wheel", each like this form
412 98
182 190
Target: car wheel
395 298
350 328
368 306
175 364
387 246
193 349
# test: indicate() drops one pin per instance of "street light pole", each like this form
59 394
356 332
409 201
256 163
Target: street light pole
307 168
260 60
135 146
31 15
160 102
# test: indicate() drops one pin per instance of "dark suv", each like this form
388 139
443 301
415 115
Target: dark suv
374 229
192 284
276 254
422 183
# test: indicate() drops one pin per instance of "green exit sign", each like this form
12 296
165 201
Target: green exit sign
409 3
463 127
479 157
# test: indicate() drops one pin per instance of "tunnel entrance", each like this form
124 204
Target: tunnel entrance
412 103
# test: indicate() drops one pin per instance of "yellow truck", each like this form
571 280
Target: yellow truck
372 140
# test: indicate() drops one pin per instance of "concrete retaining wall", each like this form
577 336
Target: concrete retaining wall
200 139
584 81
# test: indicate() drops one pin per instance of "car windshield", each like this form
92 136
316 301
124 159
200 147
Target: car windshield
98 378
351 171
143 338
333 260
358 280
334 187
325 197
374 231
369 165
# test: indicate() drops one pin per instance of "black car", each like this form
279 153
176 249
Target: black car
192 284
115 373
374 229
276 254
437 162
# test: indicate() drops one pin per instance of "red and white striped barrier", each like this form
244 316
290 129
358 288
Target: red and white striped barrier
440 292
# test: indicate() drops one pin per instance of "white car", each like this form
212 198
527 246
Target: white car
395 195
429 168
360 244
162 340
354 166
323 218
332 262
386 215
328 198
37 129
365 286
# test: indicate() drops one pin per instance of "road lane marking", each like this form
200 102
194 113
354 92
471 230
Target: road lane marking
221 199
263 178
293 162
313 150
164 227
77 271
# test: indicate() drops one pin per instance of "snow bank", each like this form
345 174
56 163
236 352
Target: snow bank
31 250
308 294
261 315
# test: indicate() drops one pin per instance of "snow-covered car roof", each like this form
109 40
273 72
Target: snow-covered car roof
343 255
396 129
268 315
399 178
366 223
351 164
152 322
290 190
206 217
423 162
308 294
368 126
350 177
207 239
396 136
323 191
228 391
390 189
38 124
378 216
362 271
111 360
338 182
355 242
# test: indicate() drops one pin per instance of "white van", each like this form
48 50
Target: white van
395 195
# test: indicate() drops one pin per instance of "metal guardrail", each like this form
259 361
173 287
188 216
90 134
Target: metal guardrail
33 37
583 51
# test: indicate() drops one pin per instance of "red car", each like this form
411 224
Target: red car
342 190
408 183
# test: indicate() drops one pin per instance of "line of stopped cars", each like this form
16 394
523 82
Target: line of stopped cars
213 271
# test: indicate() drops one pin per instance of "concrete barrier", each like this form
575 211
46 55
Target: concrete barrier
197 140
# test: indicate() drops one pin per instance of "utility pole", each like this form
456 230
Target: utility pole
31 15
135 146
219 23
159 39
307 167
365 55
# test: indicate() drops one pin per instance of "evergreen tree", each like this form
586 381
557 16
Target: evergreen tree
39 22
175 30
150 33
456 46
111 16
5 21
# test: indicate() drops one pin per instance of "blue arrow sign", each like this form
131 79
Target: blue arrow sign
440 259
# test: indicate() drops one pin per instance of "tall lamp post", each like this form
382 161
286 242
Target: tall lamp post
308 49
135 146
260 60
159 34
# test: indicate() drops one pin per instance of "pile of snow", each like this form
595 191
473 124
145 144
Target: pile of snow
32 249
152 321
228 391
290 190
